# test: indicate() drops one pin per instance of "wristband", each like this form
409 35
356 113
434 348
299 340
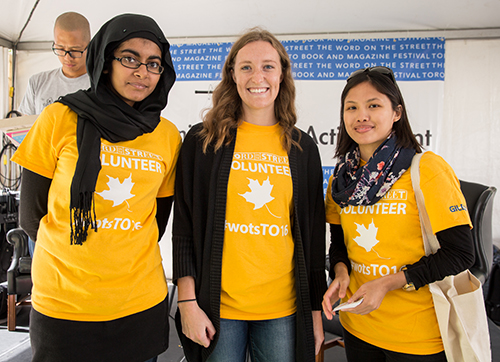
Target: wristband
409 286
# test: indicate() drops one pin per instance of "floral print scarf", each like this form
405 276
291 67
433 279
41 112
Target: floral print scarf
365 185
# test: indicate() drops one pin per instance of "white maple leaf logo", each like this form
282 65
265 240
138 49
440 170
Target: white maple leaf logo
260 194
118 192
367 238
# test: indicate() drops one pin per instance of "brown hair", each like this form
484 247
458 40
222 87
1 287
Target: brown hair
384 84
72 21
224 116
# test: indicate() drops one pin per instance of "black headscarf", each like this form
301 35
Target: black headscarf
102 113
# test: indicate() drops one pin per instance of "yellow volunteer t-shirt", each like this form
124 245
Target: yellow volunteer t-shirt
118 269
257 263
383 237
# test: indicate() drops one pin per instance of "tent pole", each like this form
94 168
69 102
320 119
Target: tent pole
12 91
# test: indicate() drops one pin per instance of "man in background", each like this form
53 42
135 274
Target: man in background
71 38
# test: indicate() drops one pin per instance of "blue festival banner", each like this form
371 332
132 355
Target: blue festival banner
327 172
411 59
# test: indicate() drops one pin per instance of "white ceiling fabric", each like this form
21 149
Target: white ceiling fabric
219 18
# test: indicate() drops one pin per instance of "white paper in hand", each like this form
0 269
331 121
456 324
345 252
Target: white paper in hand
348 305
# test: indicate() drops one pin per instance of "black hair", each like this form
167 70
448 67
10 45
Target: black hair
384 84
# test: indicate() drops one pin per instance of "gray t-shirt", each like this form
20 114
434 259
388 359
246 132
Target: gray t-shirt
46 87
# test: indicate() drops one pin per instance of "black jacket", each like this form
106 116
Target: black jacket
198 233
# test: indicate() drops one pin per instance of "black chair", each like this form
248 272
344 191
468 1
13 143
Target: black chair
18 275
479 200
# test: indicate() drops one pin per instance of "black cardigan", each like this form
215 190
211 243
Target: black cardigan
198 233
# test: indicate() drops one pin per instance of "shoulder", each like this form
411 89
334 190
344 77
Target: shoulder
55 123
433 166
169 127
308 159
84 77
196 128
57 116
309 147
193 135
430 162
191 154
167 135
83 80
47 80
47 74
57 110
305 140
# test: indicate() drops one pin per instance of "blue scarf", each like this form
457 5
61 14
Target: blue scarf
365 185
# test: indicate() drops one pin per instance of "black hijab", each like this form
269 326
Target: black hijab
103 114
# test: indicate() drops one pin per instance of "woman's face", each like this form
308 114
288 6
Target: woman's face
134 85
257 74
368 117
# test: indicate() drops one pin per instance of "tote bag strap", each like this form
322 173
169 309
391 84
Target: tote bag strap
431 243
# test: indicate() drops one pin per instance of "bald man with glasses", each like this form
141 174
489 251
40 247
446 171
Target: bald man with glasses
71 38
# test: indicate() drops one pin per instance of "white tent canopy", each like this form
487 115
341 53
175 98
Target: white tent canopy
222 18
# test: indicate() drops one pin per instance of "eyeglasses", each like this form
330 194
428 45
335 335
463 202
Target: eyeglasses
72 53
379 69
132 63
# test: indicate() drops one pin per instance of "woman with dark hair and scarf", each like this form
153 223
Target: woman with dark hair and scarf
377 253
96 195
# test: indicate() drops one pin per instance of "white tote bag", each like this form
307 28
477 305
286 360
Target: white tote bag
458 299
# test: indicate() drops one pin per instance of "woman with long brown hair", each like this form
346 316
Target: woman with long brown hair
249 218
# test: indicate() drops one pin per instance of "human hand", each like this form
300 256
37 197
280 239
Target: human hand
336 290
195 324
374 291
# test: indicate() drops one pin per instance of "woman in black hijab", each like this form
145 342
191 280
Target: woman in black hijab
96 195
